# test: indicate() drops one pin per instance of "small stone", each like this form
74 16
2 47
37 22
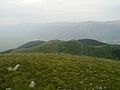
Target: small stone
59 87
97 87
90 67
32 84
105 87
100 88
8 89
16 67
10 69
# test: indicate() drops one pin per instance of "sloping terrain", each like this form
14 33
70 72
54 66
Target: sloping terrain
31 44
86 47
14 35
91 42
58 72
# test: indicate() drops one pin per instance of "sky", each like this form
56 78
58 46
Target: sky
42 11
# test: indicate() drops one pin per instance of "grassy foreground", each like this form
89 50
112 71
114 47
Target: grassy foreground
58 72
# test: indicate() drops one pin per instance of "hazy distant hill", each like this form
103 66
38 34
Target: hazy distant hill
91 42
12 36
87 47
31 44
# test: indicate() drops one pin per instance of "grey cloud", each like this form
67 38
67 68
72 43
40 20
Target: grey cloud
22 11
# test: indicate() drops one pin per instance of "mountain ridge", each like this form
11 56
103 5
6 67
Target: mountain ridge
103 31
92 42
88 47
31 44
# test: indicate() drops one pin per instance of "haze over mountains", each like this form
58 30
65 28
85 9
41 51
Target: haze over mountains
13 35
87 47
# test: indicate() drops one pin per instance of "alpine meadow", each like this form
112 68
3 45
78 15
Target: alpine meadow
59 45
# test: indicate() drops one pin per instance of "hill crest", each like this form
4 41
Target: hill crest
88 47
92 42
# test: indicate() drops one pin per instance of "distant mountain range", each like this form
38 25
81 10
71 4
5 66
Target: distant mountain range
13 35
88 47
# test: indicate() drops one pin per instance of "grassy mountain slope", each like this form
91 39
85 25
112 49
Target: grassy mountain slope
74 47
58 72
91 42
31 44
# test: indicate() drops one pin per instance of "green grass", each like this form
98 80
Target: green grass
58 72
73 47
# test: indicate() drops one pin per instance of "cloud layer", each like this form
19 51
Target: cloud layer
39 11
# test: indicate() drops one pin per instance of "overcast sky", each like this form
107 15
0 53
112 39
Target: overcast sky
41 11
